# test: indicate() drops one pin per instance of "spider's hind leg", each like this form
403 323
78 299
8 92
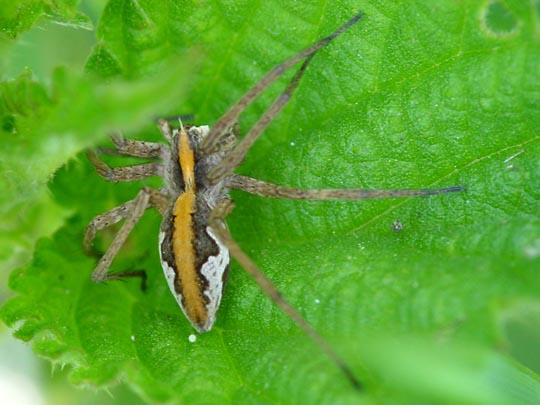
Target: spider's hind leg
217 222
131 212
130 274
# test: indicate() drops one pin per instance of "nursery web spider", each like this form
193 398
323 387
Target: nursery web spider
197 168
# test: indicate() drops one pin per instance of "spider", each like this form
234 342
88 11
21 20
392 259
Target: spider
197 168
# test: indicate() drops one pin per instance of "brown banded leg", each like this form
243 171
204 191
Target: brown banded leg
217 222
126 173
232 160
231 116
166 130
262 188
103 221
131 212
130 274
107 219
229 139
132 147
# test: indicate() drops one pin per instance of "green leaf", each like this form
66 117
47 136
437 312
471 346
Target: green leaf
415 95
455 374
18 16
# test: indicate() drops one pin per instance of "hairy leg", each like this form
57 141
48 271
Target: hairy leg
131 212
135 148
265 189
126 173
231 116
233 159
217 222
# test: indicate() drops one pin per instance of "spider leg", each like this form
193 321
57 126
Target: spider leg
231 116
107 219
265 189
217 222
131 211
165 129
130 274
133 147
126 173
232 160
103 221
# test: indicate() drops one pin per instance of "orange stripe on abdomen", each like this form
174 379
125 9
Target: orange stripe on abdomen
184 255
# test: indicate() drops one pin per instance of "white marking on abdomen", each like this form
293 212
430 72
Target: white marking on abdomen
170 274
213 271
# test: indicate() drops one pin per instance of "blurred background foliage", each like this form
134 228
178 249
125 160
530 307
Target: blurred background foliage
42 44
